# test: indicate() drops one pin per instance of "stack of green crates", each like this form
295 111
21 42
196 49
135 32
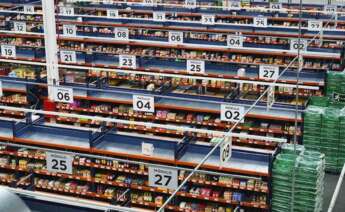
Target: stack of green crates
330 137
282 175
298 180
309 182
341 152
324 120
335 82
312 127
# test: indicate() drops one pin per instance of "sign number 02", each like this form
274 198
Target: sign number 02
231 113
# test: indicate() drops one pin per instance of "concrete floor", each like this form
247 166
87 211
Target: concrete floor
330 183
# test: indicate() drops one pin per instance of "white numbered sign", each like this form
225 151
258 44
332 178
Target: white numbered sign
196 66
69 30
234 41
330 9
67 11
147 149
159 16
144 103
268 72
62 94
19 26
276 6
191 4
150 3
225 150
175 37
1 91
294 45
234 5
29 9
121 33
208 19
57 162
163 177
127 61
270 97
68 56
314 25
260 21
231 113
8 51
112 13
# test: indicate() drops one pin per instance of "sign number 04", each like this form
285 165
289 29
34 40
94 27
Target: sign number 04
143 103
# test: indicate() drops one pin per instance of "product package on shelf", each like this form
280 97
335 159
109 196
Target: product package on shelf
298 180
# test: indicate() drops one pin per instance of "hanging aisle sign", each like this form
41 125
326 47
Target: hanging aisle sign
276 6
234 41
29 9
260 21
19 26
294 45
8 51
67 11
330 9
112 13
159 16
68 56
208 19
61 163
234 5
196 66
1 91
163 177
69 30
63 94
150 3
315 25
225 151
270 97
121 33
144 103
128 61
232 113
190 4
175 37
268 72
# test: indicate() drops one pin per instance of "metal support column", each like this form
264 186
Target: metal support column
50 41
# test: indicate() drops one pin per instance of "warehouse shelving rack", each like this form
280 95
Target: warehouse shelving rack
99 68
